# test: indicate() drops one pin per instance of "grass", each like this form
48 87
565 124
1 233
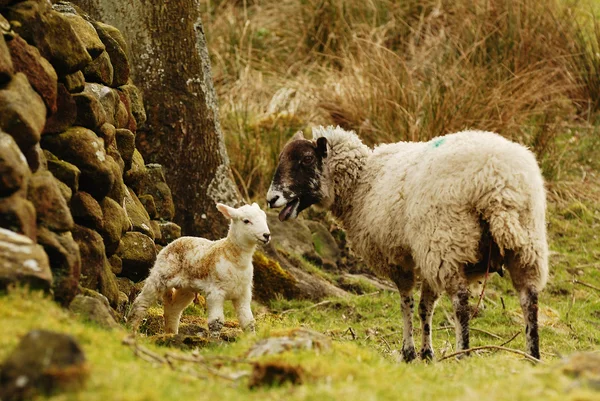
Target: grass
366 366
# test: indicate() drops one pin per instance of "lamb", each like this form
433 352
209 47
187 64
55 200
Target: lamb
220 269
447 210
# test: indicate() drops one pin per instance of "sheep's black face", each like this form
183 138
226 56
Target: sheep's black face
297 181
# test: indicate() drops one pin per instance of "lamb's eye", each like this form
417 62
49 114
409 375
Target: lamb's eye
308 159
246 221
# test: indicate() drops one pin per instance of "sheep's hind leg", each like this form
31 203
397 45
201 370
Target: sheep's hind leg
175 301
216 318
426 307
460 302
405 281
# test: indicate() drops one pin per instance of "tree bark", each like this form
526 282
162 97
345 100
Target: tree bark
170 64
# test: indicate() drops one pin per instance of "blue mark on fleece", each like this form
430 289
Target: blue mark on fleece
438 142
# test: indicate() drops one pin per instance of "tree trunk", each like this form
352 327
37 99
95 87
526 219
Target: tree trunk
170 64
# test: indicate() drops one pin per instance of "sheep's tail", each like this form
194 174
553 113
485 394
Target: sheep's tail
152 290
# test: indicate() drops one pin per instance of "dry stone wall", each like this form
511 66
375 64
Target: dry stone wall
72 181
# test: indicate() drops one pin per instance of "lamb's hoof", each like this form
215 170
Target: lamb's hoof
250 328
427 354
215 328
408 354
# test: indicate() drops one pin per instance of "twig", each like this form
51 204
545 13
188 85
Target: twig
510 339
473 329
382 338
305 309
368 294
351 331
485 280
593 287
496 347
503 306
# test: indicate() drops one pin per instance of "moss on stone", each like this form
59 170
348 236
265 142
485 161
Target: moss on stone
270 280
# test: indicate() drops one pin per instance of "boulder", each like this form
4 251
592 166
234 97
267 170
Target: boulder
137 214
39 71
84 149
149 205
135 175
51 33
64 171
22 112
112 151
6 65
136 103
65 263
116 224
65 191
117 50
100 71
18 214
75 82
43 363
86 211
116 266
293 235
50 206
66 112
36 158
126 145
107 132
122 114
85 32
324 243
156 186
169 232
90 113
137 252
118 190
94 310
14 171
93 255
23 262
130 124
155 226
108 285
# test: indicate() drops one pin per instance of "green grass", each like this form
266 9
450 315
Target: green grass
366 367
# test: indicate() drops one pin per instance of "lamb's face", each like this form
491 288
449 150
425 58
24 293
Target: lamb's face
249 223
298 180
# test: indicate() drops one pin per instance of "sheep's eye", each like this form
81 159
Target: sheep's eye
308 159
246 221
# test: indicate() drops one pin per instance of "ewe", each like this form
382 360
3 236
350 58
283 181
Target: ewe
220 269
447 210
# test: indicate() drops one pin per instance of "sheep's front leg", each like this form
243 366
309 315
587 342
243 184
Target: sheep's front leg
460 303
216 318
405 280
244 312
426 307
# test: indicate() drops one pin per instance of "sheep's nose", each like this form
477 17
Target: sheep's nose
272 201
267 236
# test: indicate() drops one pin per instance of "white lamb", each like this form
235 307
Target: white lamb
220 269
447 210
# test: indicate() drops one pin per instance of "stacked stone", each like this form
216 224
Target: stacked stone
72 178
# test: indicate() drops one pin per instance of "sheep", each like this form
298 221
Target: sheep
220 269
447 210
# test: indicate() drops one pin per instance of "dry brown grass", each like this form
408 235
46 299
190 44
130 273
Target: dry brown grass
409 70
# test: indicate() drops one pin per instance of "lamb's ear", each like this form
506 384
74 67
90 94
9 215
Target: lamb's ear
322 147
255 205
227 211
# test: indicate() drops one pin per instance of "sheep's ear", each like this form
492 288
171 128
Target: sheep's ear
298 135
322 147
226 211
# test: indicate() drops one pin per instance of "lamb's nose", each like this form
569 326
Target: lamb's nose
267 236
272 201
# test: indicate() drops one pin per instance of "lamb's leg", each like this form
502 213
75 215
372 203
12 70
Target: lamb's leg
149 294
460 301
405 280
175 301
216 318
244 312
426 307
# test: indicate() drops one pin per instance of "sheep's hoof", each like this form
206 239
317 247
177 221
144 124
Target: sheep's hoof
250 328
408 354
427 354
215 328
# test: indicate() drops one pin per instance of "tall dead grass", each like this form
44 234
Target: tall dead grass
409 70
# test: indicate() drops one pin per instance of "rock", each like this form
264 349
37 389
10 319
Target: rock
293 236
130 124
74 83
6 65
107 132
66 112
118 190
14 171
156 186
155 226
117 50
324 243
84 149
86 33
182 341
136 103
65 191
271 281
93 255
137 252
126 145
100 70
275 374
39 71
64 171
128 287
148 202
116 266
18 214
169 232
296 339
43 363
122 115
113 152
135 176
137 214
86 211
36 158
116 224
51 33
23 262
90 113
122 304
22 112
50 206
65 263
93 310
